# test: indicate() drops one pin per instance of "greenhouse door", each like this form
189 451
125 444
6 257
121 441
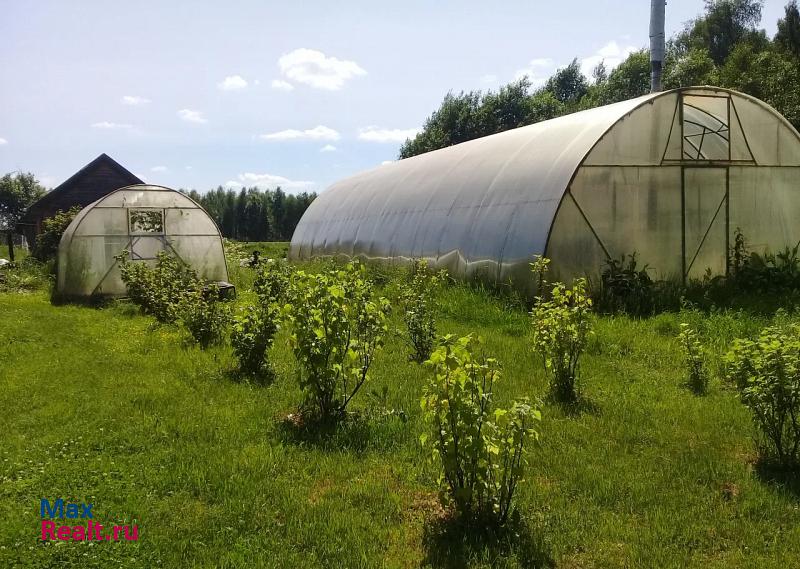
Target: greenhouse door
705 221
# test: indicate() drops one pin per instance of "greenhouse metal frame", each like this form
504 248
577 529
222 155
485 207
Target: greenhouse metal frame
669 176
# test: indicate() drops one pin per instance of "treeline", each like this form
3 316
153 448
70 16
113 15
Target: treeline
251 214
724 47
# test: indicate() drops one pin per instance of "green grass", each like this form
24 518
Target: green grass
19 252
101 405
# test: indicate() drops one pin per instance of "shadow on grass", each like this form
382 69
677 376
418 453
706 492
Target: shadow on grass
354 432
449 543
582 405
263 378
784 478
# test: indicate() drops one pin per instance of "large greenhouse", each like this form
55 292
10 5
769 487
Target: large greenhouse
143 220
669 176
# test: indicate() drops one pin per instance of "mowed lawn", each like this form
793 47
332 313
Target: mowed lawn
104 406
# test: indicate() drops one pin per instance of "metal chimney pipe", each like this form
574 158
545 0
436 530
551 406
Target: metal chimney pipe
657 43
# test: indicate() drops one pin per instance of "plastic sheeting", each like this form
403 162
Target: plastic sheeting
649 175
144 220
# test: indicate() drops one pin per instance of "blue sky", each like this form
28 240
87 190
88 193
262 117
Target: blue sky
197 94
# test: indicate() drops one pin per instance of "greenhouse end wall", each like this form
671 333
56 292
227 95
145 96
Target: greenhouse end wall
674 180
143 220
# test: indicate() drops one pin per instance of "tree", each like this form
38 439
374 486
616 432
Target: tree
724 24
788 36
629 79
694 67
568 85
17 193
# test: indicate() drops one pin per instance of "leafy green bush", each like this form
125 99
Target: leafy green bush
337 326
204 315
417 303
158 291
767 374
53 228
694 358
767 273
252 335
624 287
272 280
561 327
255 327
482 449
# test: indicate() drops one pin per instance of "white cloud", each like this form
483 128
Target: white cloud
612 54
282 85
317 133
537 70
314 68
3 141
111 125
268 181
232 83
192 116
134 100
328 148
375 134
489 79
158 169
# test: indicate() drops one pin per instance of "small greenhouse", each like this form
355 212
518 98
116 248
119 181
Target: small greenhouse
670 176
143 220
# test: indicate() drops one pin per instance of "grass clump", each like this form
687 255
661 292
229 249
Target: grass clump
694 359
482 449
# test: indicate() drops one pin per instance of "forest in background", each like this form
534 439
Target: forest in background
251 214
724 46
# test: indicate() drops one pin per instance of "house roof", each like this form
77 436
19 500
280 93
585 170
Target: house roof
110 176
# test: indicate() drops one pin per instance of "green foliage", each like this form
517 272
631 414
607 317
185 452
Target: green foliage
158 290
418 310
629 79
204 315
337 325
53 228
723 46
767 273
788 36
17 193
252 214
24 276
694 357
255 327
482 449
767 374
561 328
724 24
624 287
272 280
568 84
252 334
473 114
